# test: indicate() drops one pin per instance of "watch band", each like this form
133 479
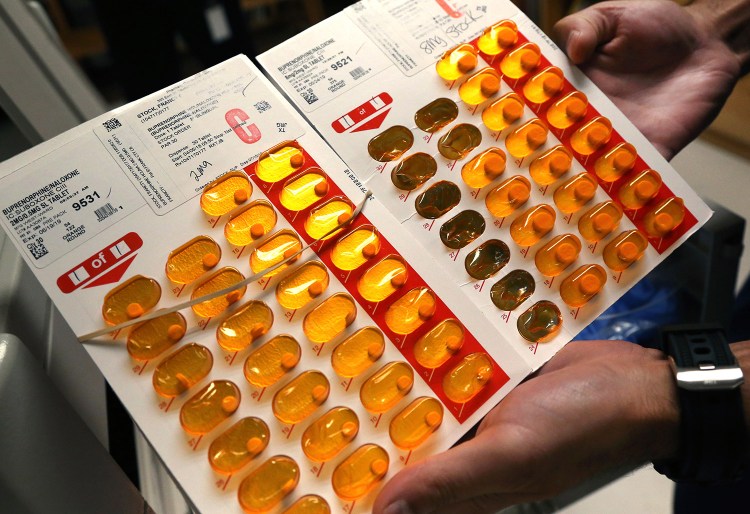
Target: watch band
713 437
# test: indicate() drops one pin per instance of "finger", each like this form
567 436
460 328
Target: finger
580 34
466 471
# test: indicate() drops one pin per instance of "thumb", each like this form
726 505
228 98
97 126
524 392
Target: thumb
580 34
464 473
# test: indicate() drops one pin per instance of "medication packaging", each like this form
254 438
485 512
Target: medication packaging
291 319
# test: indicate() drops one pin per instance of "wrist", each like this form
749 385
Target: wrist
663 411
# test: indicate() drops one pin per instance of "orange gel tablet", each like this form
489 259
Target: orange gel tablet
434 348
300 397
267 485
582 285
193 259
309 504
326 217
459 141
484 168
462 229
640 190
540 323
238 445
223 278
280 161
356 248
243 326
512 290
409 312
182 370
358 352
468 378
330 318
544 85
665 217
551 165
386 387
521 61
568 110
616 162
269 363
151 338
599 221
413 425
413 171
302 285
360 472
383 279
437 199
526 139
624 250
487 259
303 190
225 193
503 113
498 38
328 435
592 136
455 63
250 223
436 115
390 144
532 225
279 247
507 197
131 299
209 407
552 258
479 87
574 193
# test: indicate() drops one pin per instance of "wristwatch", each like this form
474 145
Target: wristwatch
713 436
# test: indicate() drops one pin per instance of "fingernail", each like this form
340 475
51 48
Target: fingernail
399 507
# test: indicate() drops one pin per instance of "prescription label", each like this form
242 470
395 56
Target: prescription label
63 199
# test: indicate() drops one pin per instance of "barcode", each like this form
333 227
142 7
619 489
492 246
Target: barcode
104 212
112 124
262 106
358 73
37 248
309 96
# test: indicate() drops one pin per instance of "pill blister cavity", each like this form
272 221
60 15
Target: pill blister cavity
279 247
436 115
385 388
484 168
457 62
221 279
640 189
271 361
551 165
498 38
360 472
383 279
437 199
302 285
468 377
330 318
521 61
624 250
410 311
415 423
556 255
574 193
226 193
462 229
301 191
664 217
300 397
532 225
131 299
250 223
249 322
328 435
526 139
322 220
209 407
512 290
280 161
568 110
439 344
582 285
151 338
599 221
413 171
193 259
480 87
503 112
616 162
267 485
592 136
459 141
182 370
234 448
309 504
544 86
358 352
540 323
487 259
390 144
356 248
508 196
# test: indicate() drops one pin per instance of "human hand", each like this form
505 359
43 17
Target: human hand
668 68
596 405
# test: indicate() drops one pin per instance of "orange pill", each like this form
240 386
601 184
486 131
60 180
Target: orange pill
328 435
444 340
484 168
507 197
498 38
221 279
356 248
360 472
410 311
358 352
279 162
225 193
209 407
191 260
479 87
277 248
468 377
582 285
151 338
131 299
544 85
568 110
456 62
300 397
234 448
559 253
551 165
322 220
266 486
383 279
624 250
521 61
526 139
532 225
330 318
246 324
640 190
599 221
574 193
665 217
616 162
385 388
269 363
250 223
415 423
309 504
182 370
302 285
502 113
304 189
592 136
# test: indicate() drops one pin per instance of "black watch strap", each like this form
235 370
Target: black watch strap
713 440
